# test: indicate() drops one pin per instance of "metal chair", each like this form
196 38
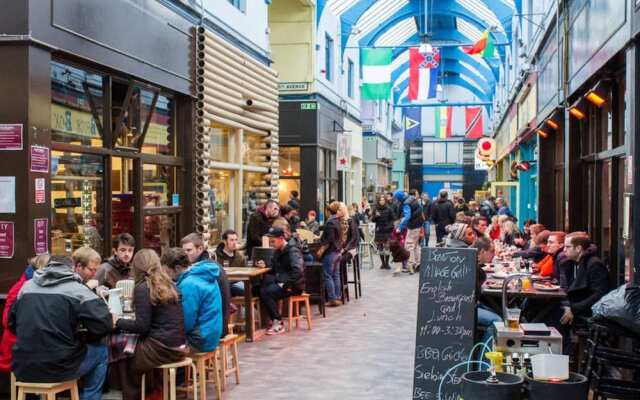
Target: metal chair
367 246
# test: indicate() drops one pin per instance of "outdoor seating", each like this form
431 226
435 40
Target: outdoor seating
314 285
239 301
49 390
294 310
230 363
208 372
169 388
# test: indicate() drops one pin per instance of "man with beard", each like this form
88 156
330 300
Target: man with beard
259 224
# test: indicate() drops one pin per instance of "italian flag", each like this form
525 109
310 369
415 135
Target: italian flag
484 46
376 74
443 122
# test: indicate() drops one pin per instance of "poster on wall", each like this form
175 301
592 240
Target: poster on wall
40 192
10 136
6 239
7 194
41 235
39 159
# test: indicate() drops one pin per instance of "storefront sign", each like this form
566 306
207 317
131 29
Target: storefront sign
343 152
40 192
6 239
294 86
308 106
7 194
39 159
10 136
41 235
70 202
446 317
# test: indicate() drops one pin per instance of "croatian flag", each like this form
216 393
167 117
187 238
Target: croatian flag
423 73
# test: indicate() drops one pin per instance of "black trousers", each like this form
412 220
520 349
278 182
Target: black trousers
269 296
440 233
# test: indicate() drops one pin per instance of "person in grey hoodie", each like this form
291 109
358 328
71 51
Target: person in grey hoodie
460 236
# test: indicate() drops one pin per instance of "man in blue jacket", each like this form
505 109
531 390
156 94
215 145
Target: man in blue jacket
411 220
201 299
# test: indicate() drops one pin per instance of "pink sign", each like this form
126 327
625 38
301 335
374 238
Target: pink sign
39 159
40 192
6 239
41 235
10 136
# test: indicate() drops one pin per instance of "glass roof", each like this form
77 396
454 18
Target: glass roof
478 8
377 15
398 34
469 30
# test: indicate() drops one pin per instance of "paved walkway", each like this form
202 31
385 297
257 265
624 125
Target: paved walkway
363 350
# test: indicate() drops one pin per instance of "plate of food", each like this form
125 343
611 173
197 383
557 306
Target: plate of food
493 284
500 275
537 277
546 287
488 268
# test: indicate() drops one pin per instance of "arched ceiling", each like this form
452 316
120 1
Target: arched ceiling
448 24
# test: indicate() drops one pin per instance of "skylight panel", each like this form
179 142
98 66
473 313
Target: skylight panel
469 30
398 34
377 15
338 7
478 8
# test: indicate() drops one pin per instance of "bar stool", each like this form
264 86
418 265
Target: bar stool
294 309
229 353
50 390
357 284
238 301
208 372
169 378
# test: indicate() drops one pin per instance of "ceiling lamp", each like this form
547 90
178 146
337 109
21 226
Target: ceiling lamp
577 109
553 121
599 94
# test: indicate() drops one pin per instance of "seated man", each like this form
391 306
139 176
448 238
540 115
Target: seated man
85 263
193 246
485 315
118 267
53 318
286 277
228 255
200 296
480 225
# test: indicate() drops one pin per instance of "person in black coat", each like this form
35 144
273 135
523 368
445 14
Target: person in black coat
443 213
383 218
259 224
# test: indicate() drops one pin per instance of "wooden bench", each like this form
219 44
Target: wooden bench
50 390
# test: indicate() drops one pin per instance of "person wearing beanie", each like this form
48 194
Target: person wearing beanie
460 235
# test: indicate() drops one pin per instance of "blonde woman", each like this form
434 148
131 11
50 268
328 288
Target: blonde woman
159 323
510 233
8 338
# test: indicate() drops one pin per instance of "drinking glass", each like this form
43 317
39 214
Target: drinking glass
513 318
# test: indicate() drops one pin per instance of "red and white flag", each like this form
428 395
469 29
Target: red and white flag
423 72
473 122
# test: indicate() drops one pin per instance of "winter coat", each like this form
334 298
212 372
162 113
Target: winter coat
225 291
234 261
53 317
353 235
494 233
162 322
332 235
590 284
412 216
455 243
443 213
8 338
258 226
313 226
426 209
534 253
383 218
202 305
505 210
112 271
288 268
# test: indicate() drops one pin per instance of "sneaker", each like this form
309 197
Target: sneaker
276 328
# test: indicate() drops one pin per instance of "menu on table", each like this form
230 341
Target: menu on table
446 320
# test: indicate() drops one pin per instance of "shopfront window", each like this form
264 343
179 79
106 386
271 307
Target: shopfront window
221 198
220 149
76 202
158 120
122 196
77 105
159 186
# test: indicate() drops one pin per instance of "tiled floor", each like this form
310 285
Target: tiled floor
363 350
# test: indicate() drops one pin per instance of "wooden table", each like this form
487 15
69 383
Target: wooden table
247 275
494 297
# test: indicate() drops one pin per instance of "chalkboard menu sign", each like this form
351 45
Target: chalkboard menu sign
446 319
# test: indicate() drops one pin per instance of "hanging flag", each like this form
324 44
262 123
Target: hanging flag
473 122
443 122
423 73
412 120
484 46
376 74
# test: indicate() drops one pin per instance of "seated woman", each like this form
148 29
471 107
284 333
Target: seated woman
485 315
537 251
158 322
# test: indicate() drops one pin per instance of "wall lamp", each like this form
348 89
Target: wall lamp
599 94
577 109
542 133
553 121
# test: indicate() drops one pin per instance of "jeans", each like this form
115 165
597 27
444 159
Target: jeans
269 296
427 233
331 268
93 371
486 318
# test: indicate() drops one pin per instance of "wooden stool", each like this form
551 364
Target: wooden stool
50 390
238 301
169 378
208 372
294 309
229 352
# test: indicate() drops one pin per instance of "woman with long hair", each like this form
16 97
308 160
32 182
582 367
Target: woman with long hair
331 242
383 218
158 322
